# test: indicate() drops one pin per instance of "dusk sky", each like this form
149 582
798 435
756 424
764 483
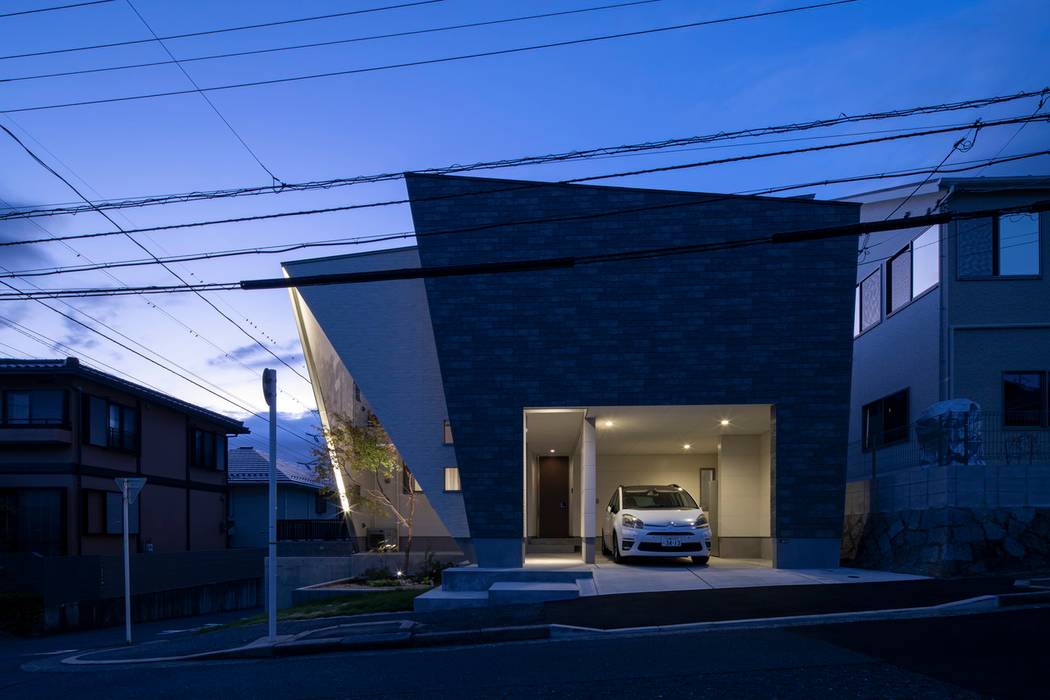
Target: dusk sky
851 58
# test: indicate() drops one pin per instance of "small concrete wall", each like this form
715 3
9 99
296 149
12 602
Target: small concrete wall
301 571
991 486
949 541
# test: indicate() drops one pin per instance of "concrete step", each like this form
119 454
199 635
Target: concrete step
518 593
439 599
556 548
472 578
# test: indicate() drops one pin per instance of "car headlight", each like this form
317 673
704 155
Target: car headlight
632 523
700 521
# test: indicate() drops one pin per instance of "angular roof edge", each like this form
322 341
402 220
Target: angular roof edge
800 199
72 366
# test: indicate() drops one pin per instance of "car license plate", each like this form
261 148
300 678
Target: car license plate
672 542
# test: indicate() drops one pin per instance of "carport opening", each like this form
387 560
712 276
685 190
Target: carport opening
575 458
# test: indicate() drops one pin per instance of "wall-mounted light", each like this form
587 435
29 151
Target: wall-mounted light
724 422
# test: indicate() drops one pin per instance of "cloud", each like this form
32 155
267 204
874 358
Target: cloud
256 357
23 256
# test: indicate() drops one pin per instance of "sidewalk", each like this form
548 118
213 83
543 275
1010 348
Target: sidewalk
597 615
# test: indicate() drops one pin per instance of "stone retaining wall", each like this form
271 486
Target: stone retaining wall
949 541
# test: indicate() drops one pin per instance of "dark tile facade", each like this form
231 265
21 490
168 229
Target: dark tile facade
763 324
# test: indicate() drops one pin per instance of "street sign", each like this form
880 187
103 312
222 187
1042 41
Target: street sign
134 486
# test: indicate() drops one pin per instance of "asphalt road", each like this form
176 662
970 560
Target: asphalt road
990 655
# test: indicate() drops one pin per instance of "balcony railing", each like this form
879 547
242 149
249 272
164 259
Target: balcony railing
985 464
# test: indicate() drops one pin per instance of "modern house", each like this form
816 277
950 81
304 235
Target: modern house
956 311
68 430
305 510
723 370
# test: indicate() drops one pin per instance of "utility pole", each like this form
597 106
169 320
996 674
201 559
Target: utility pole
270 392
129 491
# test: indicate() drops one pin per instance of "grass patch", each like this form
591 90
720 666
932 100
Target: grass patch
353 604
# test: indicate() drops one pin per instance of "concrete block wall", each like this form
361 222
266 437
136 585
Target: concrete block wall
765 324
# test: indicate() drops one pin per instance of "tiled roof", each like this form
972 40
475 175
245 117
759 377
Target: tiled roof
73 366
246 465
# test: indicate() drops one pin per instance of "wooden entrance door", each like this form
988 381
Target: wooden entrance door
554 497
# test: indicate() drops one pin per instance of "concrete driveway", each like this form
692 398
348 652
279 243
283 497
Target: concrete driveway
646 575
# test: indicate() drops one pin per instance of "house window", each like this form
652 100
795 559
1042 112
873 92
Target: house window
856 311
32 520
1005 246
446 433
104 513
207 449
898 280
409 483
885 421
320 503
925 261
452 479
34 407
1024 399
1017 242
869 302
108 424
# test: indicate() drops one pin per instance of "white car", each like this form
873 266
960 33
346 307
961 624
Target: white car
655 521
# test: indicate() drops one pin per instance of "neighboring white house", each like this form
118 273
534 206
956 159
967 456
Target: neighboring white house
303 504
956 311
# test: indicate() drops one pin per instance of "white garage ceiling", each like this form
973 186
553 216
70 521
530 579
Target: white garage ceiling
641 430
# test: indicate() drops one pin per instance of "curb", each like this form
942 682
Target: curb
405 636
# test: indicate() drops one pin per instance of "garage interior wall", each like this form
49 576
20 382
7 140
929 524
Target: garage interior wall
744 513
532 488
614 470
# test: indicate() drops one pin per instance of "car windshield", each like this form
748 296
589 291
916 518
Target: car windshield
647 498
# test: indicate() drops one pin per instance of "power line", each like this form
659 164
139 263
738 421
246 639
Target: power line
146 250
560 263
221 31
564 156
240 139
54 8
336 42
126 337
432 61
361 240
132 350
149 303
526 186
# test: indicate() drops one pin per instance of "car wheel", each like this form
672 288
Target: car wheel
700 560
605 547
617 557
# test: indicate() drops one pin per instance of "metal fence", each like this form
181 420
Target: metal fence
313 530
990 444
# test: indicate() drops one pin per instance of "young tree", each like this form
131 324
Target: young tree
371 470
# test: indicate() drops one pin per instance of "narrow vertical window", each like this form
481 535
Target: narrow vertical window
1017 244
446 433
452 479
926 261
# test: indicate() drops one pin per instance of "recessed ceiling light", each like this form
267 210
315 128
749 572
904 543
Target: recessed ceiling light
552 451
724 422
686 446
